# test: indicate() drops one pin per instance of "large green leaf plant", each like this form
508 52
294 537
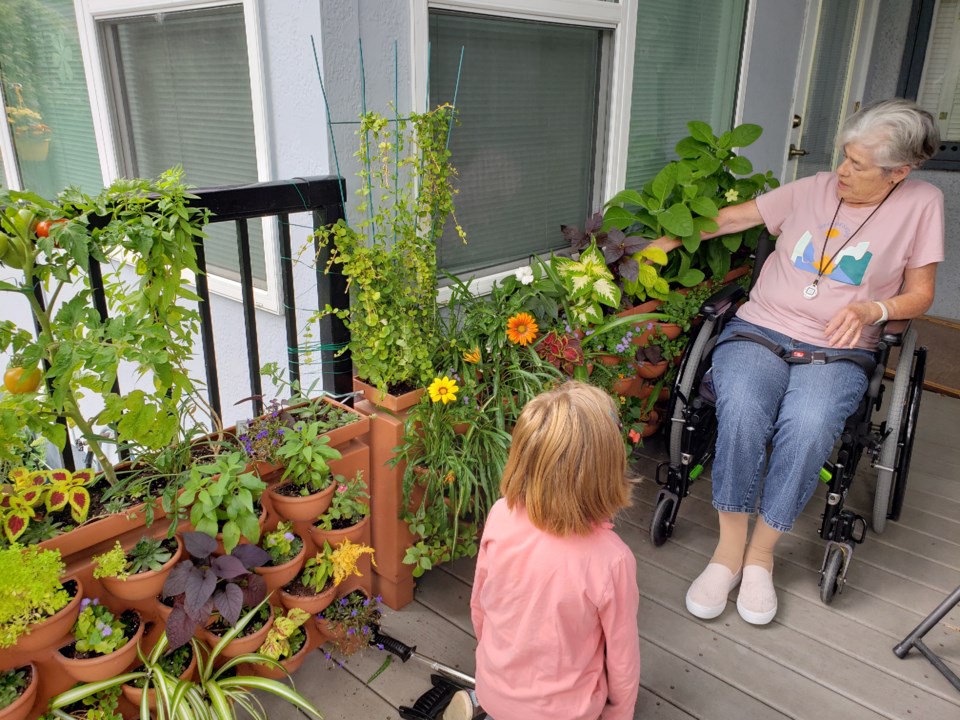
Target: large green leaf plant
684 198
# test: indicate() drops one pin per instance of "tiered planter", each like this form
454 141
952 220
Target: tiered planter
142 586
102 667
98 536
276 576
301 508
21 708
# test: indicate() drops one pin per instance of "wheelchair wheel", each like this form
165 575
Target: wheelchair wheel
829 580
685 383
898 426
660 523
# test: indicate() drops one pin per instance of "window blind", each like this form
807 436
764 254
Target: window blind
685 68
940 85
526 141
183 96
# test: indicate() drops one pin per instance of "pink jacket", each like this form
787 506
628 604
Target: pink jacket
556 622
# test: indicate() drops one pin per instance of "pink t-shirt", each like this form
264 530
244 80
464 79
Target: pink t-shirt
906 232
556 622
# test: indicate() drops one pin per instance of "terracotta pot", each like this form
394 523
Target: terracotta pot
276 576
142 585
97 531
651 372
651 425
348 644
20 708
268 472
609 360
629 385
670 330
297 508
646 307
134 694
290 665
393 403
309 603
102 667
355 533
240 645
50 632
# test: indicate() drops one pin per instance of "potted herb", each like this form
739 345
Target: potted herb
306 454
286 645
348 514
389 255
140 573
350 622
36 609
316 586
18 688
104 644
287 551
260 439
223 499
218 691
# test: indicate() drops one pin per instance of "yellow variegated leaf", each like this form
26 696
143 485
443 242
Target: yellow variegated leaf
607 292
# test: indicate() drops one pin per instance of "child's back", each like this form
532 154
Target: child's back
556 622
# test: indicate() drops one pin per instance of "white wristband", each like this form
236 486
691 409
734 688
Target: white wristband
884 315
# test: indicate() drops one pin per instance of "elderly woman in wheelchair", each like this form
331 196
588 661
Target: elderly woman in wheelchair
802 360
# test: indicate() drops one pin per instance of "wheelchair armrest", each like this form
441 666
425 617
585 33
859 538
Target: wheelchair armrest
720 301
892 332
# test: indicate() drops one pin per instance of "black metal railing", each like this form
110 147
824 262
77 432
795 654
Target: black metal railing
320 196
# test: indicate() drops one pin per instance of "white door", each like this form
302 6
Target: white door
837 38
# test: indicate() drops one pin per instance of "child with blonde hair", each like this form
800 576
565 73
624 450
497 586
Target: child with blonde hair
555 597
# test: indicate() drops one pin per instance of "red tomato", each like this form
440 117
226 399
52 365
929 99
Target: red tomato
43 227
20 381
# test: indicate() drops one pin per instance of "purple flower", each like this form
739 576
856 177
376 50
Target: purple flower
379 646
379 598
366 603
343 601
288 536
353 613
96 601
351 631
262 434
327 655
84 603
365 630
107 631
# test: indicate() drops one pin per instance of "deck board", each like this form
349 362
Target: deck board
814 661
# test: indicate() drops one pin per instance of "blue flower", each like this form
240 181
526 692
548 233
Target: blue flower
351 631
343 601
84 603
107 631
379 646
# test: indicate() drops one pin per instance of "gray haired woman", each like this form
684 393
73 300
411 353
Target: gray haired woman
856 247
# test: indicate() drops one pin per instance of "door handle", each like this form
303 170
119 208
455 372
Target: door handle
796 152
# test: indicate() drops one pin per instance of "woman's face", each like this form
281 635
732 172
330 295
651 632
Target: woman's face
861 180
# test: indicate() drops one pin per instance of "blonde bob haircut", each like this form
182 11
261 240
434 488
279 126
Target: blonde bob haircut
567 463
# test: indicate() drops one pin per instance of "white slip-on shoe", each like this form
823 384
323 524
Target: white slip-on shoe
463 706
707 596
757 600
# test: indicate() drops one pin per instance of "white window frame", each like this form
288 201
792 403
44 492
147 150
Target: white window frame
89 13
620 18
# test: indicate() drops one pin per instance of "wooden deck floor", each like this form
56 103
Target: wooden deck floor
813 661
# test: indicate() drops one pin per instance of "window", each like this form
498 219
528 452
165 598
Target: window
47 105
930 73
685 68
179 83
527 144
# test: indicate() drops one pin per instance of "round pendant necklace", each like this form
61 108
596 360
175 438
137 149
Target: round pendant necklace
811 290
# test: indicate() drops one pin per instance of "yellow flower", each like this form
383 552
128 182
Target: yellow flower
472 356
731 195
449 478
522 329
443 390
345 559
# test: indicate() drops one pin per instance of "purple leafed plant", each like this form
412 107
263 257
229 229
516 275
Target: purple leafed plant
203 583
617 248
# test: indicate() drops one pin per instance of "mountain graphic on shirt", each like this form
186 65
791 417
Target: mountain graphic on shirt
849 266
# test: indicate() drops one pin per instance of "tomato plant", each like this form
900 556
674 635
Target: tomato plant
22 380
43 227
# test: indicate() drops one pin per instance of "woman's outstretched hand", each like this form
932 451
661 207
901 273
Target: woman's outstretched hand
845 328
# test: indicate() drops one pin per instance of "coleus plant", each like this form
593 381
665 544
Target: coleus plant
562 351
203 583
55 489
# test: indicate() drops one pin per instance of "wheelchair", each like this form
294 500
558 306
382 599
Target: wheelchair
692 432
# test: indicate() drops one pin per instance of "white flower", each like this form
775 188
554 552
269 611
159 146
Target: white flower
524 275
732 195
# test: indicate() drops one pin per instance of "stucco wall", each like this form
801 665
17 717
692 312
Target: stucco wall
885 60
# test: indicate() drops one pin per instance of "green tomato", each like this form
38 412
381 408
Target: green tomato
4 245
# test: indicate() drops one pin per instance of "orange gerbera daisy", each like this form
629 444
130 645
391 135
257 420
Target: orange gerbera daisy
522 329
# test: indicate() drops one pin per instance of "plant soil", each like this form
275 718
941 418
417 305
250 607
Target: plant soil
343 523
131 621
291 489
296 587
221 627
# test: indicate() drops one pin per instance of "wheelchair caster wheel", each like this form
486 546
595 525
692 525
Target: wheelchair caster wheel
830 579
661 526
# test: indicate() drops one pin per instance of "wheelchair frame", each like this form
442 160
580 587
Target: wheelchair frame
693 426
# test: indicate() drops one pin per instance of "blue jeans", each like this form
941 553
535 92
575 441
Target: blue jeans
799 409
